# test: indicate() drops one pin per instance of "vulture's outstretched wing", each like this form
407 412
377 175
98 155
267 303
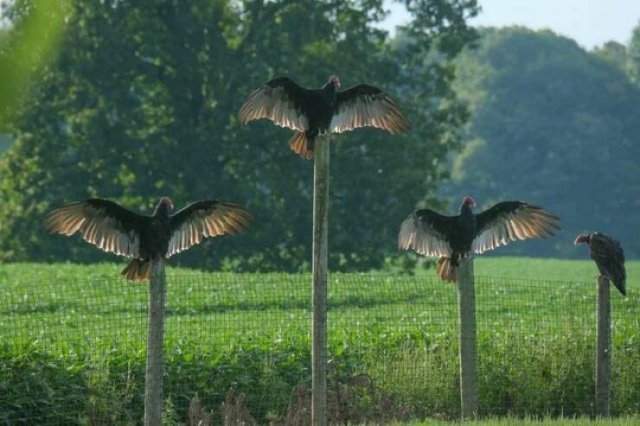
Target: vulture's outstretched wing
203 219
367 106
426 233
609 257
511 221
103 223
280 100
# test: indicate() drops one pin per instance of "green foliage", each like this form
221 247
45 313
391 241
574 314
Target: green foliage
633 55
143 102
73 343
5 142
614 53
554 125
27 48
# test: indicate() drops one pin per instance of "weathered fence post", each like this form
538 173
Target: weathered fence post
319 289
153 392
603 349
467 316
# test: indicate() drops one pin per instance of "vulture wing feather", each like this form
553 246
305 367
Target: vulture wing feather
204 219
103 223
367 106
426 233
511 221
280 100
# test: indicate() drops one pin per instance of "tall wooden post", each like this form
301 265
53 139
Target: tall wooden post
467 316
319 290
603 349
153 392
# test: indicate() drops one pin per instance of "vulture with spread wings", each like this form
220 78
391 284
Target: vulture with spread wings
311 112
609 257
452 238
114 229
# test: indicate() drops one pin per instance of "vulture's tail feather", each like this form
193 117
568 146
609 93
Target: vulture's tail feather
302 145
447 270
619 282
137 270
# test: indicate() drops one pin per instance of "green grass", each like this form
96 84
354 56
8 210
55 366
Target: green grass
73 337
550 269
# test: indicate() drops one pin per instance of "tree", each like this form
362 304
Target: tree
633 55
613 52
144 97
554 125
26 49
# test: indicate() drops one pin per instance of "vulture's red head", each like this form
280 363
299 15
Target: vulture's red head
582 239
165 205
468 201
333 79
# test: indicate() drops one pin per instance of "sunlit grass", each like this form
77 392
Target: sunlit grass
251 331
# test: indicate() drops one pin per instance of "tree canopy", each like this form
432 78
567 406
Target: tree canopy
554 125
142 102
633 55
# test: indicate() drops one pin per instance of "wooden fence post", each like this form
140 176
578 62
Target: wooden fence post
603 348
153 391
467 319
319 284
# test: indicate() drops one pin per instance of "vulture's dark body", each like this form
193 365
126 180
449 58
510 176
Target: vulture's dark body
318 105
146 239
451 238
462 233
155 234
608 255
312 112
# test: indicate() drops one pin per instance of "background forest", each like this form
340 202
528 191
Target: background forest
141 101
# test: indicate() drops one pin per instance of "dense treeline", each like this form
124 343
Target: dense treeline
555 125
142 101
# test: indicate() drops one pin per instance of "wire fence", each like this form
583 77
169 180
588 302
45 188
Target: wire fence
237 349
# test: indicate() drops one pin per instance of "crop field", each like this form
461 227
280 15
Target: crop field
72 342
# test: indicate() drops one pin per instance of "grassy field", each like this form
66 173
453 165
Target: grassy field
73 340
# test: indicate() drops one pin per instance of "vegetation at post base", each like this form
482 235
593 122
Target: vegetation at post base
555 125
142 101
73 344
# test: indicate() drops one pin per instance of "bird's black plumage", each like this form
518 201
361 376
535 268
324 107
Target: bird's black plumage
453 237
311 112
609 257
117 230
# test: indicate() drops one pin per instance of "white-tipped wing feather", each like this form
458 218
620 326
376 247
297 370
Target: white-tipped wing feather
511 221
205 219
280 100
103 223
367 106
420 232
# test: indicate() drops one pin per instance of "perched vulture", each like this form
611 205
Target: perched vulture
311 112
114 229
452 238
609 257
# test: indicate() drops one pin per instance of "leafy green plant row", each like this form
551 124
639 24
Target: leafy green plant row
396 377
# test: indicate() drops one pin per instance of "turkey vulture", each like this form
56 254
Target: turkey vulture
609 257
454 237
114 229
311 112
